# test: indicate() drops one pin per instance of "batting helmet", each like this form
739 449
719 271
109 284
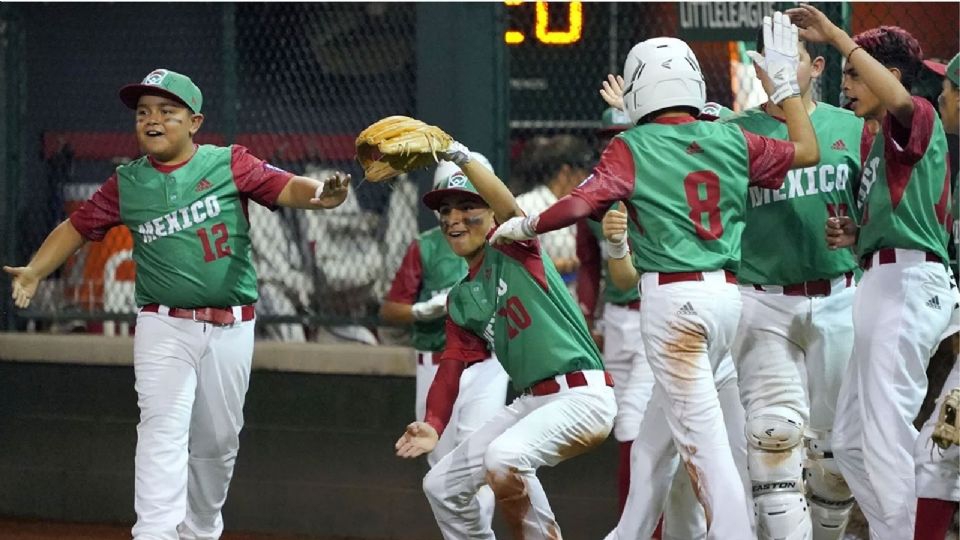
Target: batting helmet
661 73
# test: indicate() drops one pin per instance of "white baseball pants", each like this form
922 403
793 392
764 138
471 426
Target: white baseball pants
659 485
687 329
900 311
191 380
505 453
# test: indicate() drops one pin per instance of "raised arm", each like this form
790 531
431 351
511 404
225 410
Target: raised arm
782 59
492 190
817 28
62 242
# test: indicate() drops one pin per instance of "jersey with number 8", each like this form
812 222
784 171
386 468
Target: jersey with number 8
686 185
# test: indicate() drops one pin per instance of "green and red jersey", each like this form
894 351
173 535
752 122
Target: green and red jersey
428 268
189 224
904 195
685 184
782 242
515 303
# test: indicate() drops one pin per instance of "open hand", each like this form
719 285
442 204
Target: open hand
332 192
841 232
418 439
612 91
814 26
25 282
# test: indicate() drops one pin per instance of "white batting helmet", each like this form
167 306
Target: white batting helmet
446 168
661 73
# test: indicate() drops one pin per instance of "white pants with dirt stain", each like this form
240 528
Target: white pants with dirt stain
531 432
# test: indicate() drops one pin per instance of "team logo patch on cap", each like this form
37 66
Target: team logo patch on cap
155 77
457 180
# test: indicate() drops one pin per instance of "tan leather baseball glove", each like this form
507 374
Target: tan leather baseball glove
399 144
947 430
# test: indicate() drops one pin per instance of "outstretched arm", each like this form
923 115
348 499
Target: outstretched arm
309 194
62 242
815 27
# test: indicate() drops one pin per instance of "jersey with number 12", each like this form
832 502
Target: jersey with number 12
189 224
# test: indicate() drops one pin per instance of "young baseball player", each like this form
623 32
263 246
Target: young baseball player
514 303
654 464
623 352
938 471
796 327
418 296
186 208
685 184
903 302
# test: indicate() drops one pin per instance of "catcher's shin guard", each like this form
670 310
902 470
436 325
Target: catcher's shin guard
775 461
827 492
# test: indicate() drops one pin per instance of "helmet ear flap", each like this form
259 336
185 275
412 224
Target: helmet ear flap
662 73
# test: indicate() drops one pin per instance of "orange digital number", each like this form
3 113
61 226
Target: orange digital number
542 31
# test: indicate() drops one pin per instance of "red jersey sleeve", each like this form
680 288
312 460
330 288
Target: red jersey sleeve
770 159
907 144
256 178
100 213
462 345
407 281
613 179
443 394
591 265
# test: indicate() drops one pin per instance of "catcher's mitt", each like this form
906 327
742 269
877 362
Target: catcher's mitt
399 144
947 430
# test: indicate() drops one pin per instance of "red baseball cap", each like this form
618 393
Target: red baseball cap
936 67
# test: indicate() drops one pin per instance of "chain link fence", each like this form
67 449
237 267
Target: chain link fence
295 83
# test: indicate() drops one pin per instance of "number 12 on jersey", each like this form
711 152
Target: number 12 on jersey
220 243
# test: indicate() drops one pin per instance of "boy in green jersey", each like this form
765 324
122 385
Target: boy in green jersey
902 305
796 328
185 206
513 303
418 297
685 185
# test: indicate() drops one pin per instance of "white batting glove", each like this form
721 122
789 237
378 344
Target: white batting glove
428 310
618 247
781 57
515 229
457 153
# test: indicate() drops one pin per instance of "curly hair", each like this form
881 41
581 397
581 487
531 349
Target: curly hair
893 47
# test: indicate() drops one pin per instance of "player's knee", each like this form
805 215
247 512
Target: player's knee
831 500
219 445
502 457
433 486
774 429
775 462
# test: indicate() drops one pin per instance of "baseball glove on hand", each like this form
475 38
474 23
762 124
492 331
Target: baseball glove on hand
947 430
399 144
